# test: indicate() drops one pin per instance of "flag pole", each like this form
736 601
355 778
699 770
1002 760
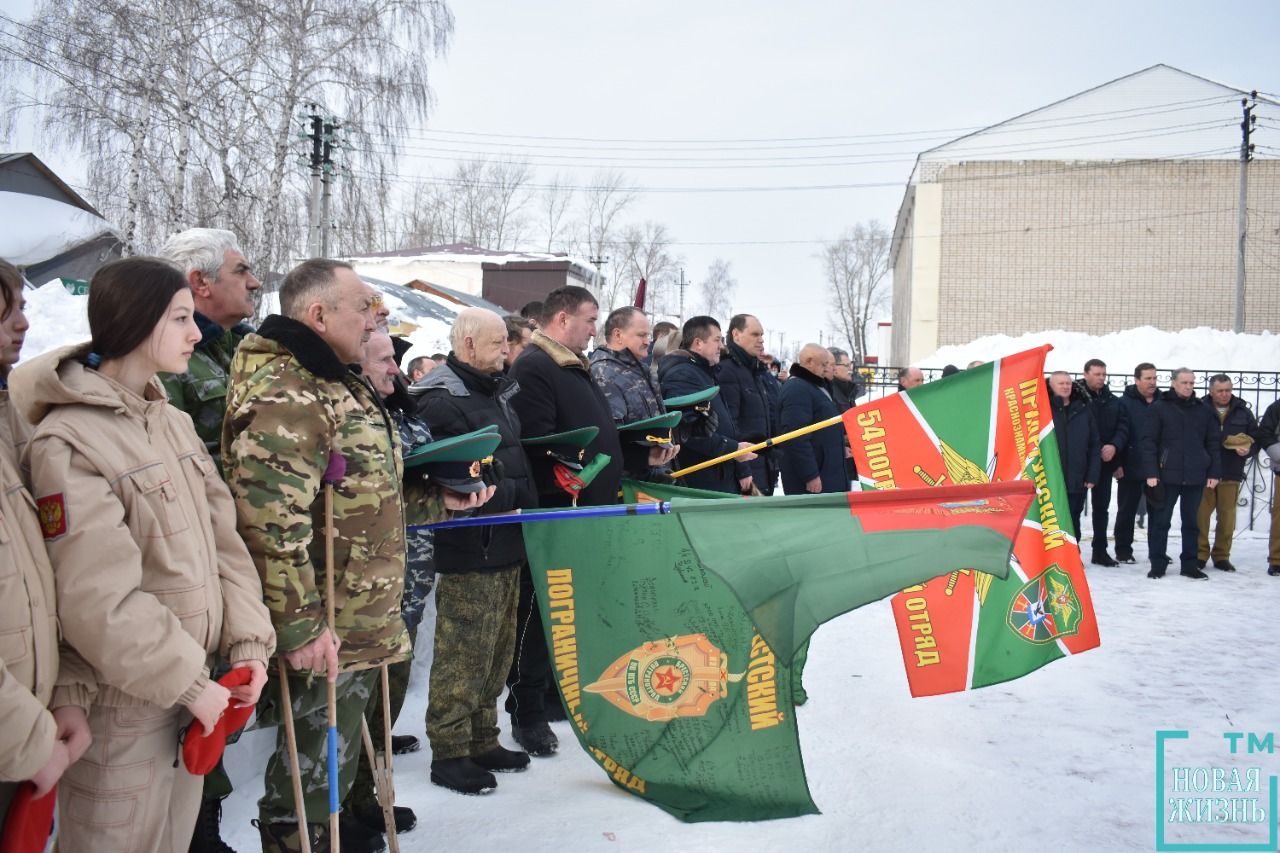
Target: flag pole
763 445
521 517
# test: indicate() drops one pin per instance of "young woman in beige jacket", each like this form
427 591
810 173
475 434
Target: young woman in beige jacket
35 744
152 579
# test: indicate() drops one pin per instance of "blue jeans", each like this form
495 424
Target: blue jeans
1188 498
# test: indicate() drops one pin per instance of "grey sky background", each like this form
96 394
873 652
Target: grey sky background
889 79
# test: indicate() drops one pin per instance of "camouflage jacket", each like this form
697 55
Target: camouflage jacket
291 403
202 391
627 384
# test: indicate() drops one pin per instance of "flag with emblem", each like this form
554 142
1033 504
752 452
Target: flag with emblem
671 635
990 423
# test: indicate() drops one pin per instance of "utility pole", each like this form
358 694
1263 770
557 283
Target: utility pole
317 149
1246 154
682 285
326 179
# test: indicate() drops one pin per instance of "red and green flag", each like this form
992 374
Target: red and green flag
671 635
989 424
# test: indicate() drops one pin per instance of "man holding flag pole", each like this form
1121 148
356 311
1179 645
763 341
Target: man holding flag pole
293 403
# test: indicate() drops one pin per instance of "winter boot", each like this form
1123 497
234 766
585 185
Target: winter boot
1156 572
358 838
404 744
371 817
462 775
1127 559
1200 564
502 760
283 837
1223 566
1274 571
1194 573
1104 559
536 738
206 838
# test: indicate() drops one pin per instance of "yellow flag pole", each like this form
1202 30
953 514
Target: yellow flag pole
763 445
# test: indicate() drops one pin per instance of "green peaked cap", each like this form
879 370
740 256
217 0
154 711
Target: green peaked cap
666 420
690 400
580 437
652 431
465 448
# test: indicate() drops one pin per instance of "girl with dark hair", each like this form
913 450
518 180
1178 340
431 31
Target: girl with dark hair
152 579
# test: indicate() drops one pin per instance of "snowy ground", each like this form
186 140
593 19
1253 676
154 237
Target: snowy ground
1064 757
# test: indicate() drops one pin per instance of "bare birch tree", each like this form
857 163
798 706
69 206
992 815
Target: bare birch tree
188 111
553 203
717 291
644 252
857 267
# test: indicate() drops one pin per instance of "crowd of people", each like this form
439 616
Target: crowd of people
199 516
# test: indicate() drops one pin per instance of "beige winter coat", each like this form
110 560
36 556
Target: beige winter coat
151 575
28 626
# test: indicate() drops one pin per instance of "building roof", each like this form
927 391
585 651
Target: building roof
465 253
72 197
1159 112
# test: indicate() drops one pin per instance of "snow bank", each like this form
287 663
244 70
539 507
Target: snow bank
58 318
1200 348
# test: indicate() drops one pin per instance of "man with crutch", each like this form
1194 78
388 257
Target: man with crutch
294 405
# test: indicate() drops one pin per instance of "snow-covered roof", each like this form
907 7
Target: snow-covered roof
464 253
1159 112
34 229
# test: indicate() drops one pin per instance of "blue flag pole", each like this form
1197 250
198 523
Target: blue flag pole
522 517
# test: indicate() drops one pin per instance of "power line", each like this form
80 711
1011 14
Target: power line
719 163
1085 166
941 132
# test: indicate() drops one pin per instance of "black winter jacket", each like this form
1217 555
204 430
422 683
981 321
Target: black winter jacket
454 399
1078 442
1113 427
557 394
744 388
1135 411
682 372
1269 427
1181 443
1239 419
818 454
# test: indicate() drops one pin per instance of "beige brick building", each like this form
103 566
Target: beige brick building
1112 209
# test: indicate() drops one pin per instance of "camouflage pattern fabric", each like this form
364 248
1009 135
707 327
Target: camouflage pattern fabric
475 640
311 728
420 570
628 385
201 392
418 582
282 422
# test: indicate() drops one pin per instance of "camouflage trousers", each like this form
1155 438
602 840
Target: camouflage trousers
475 639
419 578
311 726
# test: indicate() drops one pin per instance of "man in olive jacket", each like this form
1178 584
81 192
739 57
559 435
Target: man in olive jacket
294 402
1238 430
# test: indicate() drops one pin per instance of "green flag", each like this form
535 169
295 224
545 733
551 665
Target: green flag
670 635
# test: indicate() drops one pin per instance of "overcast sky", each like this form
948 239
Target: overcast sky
888 79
